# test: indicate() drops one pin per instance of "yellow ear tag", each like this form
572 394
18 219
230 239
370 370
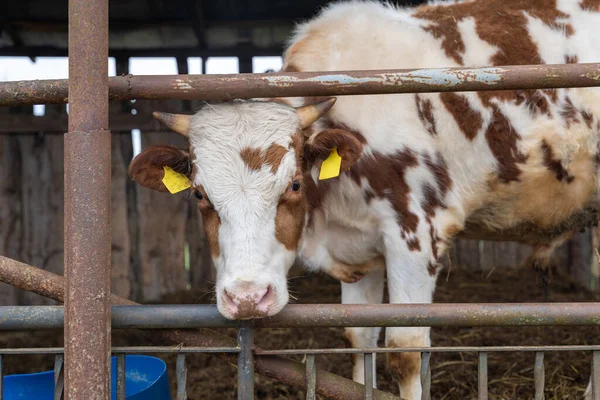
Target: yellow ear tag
174 181
331 166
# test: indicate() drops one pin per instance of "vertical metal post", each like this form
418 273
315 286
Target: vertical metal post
181 372
539 375
483 376
59 377
311 378
245 363
87 205
426 376
368 363
596 375
121 376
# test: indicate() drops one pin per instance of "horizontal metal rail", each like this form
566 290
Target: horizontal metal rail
324 83
314 352
310 371
322 315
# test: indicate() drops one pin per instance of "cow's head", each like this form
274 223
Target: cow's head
246 166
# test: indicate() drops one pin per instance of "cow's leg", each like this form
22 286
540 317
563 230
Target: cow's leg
368 290
409 281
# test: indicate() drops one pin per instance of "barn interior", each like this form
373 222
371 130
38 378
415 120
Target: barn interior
162 257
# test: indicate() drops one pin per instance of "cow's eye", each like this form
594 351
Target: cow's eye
296 186
198 195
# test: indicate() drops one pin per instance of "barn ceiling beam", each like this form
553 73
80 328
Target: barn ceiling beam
237 51
198 22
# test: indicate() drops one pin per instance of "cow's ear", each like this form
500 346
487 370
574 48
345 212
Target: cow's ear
319 147
148 167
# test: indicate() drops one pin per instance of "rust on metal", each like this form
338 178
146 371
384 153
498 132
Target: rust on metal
329 83
87 206
283 369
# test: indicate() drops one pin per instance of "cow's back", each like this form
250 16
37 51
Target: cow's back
504 155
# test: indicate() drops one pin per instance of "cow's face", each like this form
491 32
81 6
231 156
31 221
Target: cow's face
245 166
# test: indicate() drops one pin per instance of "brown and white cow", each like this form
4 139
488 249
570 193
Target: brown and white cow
416 171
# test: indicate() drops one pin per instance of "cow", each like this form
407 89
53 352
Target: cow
365 186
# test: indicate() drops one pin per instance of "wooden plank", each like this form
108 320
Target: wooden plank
42 177
118 122
10 205
121 273
202 269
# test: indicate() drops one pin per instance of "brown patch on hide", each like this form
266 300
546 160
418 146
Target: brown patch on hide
212 222
252 158
274 155
424 108
255 159
589 5
569 113
439 169
503 139
404 366
588 118
554 165
386 175
468 119
289 220
501 23
413 244
147 168
432 268
537 101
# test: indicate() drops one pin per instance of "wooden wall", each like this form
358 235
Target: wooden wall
152 232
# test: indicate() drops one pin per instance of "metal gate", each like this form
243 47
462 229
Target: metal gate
84 371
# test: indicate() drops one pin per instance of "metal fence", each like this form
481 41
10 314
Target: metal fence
87 311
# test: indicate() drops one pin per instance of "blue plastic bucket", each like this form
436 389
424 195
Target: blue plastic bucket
145 379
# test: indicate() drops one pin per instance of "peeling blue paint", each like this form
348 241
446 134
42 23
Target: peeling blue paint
432 77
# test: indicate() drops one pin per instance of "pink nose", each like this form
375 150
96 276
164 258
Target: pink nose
250 302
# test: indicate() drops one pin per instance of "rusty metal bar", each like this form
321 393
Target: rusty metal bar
539 375
348 315
245 362
311 377
426 375
181 372
322 315
59 376
285 370
323 83
308 352
596 375
368 365
121 376
87 205
482 376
